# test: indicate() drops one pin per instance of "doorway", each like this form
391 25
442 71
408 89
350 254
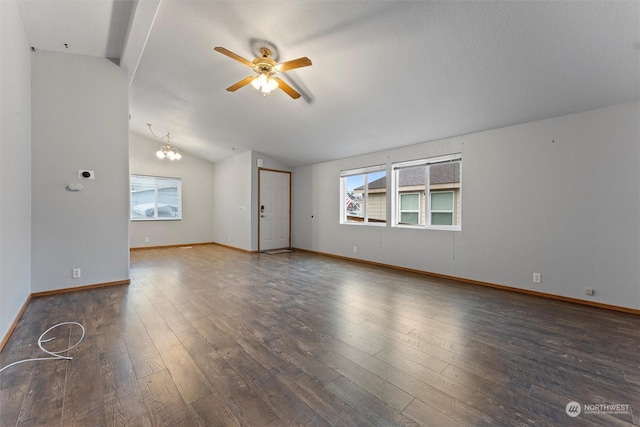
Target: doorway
274 210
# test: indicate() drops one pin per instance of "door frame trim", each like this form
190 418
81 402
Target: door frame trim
260 169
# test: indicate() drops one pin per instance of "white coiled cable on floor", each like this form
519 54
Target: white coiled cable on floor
56 355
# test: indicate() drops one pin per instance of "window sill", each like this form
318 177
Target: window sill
155 219
430 227
365 224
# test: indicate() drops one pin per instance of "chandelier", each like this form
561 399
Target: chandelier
166 151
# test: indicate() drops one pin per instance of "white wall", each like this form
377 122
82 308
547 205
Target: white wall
80 121
15 165
560 197
196 225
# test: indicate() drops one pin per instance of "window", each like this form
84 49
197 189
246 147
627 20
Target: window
364 195
427 192
156 198
441 209
409 208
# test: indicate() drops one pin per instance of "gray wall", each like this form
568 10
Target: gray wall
196 225
80 121
560 197
235 188
15 165
232 193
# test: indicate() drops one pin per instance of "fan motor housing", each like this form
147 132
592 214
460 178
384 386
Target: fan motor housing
264 64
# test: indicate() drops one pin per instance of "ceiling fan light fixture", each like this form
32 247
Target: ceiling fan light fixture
272 84
264 83
258 82
266 67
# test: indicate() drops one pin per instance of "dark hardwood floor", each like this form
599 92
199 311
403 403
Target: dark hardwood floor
209 336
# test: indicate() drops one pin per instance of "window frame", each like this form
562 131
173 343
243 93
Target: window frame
432 211
426 203
155 203
366 171
401 211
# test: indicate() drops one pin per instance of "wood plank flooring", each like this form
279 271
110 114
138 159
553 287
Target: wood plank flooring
209 336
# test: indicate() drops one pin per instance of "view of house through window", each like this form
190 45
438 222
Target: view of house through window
409 208
427 192
442 208
364 194
156 198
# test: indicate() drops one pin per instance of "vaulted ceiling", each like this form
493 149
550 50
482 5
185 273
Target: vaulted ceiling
385 73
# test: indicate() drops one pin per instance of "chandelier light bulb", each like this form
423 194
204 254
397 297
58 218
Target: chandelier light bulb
259 81
264 83
272 84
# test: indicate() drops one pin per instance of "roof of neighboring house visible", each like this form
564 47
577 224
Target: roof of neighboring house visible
443 173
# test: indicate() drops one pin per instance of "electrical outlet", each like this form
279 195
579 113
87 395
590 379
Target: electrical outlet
537 277
146 240
355 249
589 291
75 273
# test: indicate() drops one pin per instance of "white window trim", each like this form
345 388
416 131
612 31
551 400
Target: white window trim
427 162
360 171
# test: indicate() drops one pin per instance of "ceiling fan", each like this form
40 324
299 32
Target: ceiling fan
266 68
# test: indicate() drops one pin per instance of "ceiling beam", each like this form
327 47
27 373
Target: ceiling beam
144 16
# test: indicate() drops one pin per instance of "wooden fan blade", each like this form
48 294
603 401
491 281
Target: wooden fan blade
241 83
234 56
287 89
296 63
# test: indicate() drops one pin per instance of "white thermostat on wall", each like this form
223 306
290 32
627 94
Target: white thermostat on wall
86 174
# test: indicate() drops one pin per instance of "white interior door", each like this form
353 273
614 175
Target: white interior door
274 210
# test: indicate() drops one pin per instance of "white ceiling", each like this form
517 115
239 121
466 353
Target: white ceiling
385 73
